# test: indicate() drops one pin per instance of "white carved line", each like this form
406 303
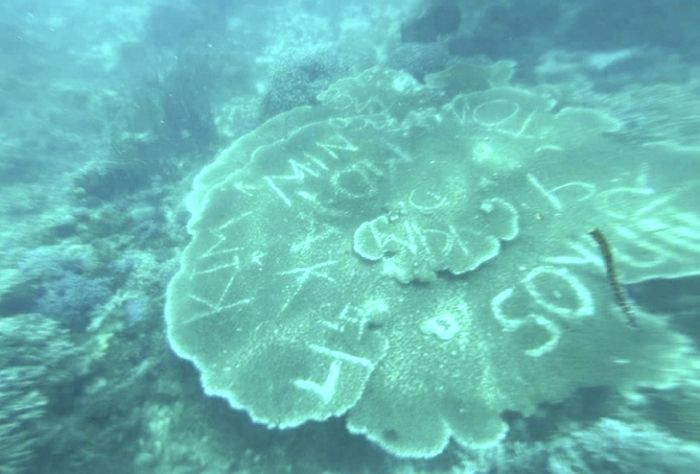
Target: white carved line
422 241
362 169
229 283
372 103
378 121
371 167
343 145
307 196
526 124
583 255
358 322
235 304
548 147
554 336
278 191
460 108
221 239
685 233
414 120
492 252
685 227
642 178
405 84
339 100
333 326
681 240
403 157
550 197
235 265
304 274
306 244
439 201
408 244
295 132
588 189
316 160
489 205
496 304
624 213
654 204
511 325
442 326
233 221
585 305
339 123
337 176
413 233
211 306
375 105
688 219
256 258
306 271
396 126
340 355
245 189
377 237
651 224
457 239
475 113
657 254
448 240
299 170
211 253
324 391
344 312
214 310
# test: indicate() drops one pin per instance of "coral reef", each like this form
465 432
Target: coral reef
37 358
473 286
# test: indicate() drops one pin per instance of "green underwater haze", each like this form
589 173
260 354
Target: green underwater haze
436 236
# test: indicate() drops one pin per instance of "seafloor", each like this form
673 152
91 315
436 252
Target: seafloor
108 109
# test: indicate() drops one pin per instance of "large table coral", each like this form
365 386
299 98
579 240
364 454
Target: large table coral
418 258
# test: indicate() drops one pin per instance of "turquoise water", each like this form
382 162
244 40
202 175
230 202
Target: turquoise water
349 237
